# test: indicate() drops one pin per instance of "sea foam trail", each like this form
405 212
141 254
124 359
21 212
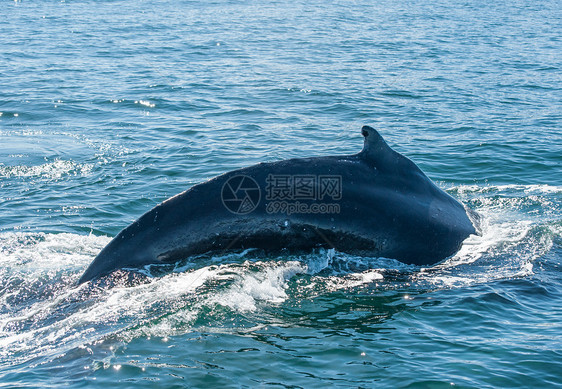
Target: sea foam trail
43 312
512 238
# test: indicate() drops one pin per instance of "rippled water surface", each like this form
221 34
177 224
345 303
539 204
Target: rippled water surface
109 107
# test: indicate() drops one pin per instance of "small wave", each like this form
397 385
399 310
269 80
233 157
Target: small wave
519 225
38 272
486 189
145 103
268 284
43 311
50 170
37 252
205 293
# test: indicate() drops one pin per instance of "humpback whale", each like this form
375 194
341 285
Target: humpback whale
374 203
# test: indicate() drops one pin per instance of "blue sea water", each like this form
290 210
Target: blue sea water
109 107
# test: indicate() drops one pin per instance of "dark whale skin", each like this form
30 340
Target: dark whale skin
385 207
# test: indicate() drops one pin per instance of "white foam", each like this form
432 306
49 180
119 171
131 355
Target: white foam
50 170
42 258
39 252
348 281
536 189
113 307
509 243
146 103
317 263
30 262
268 285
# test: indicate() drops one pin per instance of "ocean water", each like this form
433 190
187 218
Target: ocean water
109 107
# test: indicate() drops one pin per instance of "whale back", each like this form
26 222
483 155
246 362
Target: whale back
384 206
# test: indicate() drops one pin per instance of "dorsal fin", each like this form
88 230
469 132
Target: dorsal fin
374 146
